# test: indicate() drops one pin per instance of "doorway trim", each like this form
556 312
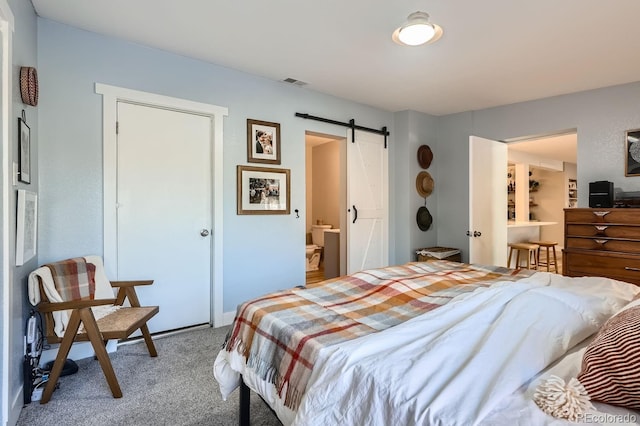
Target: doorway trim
111 95
8 413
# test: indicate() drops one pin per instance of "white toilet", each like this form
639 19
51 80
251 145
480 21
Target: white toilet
313 251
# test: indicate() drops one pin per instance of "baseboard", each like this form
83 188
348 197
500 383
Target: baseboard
16 407
79 350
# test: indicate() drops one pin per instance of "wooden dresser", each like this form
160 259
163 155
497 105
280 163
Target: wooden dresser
602 242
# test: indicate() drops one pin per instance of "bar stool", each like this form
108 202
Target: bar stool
529 248
548 262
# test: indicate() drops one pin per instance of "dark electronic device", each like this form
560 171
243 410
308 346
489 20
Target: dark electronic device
600 194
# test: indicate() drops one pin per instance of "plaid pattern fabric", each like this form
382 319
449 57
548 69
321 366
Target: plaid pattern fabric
74 278
281 333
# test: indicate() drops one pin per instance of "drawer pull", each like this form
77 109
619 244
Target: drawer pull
601 214
603 242
600 228
629 268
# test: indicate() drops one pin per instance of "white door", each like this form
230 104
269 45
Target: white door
164 211
367 202
487 201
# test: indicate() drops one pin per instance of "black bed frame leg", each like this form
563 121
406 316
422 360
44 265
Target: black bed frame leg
245 394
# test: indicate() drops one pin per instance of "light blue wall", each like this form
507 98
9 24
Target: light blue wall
601 116
24 54
71 61
413 129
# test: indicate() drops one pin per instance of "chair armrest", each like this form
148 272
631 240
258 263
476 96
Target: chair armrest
76 304
130 283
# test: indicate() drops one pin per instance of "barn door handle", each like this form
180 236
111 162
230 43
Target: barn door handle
355 214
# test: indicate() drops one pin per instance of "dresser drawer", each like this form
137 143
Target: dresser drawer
604 230
624 268
603 244
611 215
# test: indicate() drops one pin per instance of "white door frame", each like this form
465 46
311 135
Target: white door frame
110 97
8 254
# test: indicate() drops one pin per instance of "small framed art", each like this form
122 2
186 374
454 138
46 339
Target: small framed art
263 142
263 190
27 226
24 132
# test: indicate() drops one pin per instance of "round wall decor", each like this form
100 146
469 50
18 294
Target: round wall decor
424 218
424 184
29 85
425 156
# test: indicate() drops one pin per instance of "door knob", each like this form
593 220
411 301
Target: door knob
477 233
204 232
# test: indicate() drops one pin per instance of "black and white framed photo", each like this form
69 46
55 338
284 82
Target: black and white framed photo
27 226
632 157
263 142
24 132
263 190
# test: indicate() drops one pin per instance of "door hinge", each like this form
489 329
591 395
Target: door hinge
117 127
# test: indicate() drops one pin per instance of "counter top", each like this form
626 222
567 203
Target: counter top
515 224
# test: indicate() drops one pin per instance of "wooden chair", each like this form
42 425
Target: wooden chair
103 317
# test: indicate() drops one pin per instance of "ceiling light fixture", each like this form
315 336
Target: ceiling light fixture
417 31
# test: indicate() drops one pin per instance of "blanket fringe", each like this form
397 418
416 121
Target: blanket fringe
562 400
292 397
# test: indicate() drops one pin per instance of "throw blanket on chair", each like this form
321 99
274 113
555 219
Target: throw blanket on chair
71 279
74 278
281 333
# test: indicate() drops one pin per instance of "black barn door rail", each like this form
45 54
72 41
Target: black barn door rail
351 124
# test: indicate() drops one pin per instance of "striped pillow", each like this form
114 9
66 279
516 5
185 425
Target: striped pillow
610 366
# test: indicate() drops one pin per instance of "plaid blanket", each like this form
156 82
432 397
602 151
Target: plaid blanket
74 279
281 333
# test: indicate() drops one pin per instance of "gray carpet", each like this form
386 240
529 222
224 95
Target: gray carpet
176 388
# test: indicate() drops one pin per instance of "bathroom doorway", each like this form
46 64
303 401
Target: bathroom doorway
325 176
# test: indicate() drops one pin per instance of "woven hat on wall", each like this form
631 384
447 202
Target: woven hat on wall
424 218
29 85
425 156
424 184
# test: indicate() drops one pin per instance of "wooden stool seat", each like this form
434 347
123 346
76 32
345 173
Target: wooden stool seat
548 262
531 251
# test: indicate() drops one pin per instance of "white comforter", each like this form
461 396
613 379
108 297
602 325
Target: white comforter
458 363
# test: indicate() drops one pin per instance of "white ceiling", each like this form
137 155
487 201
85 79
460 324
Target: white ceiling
493 52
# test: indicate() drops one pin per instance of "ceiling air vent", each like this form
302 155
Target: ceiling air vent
294 81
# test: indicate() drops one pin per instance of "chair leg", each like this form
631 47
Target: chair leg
63 351
509 258
148 340
93 333
555 260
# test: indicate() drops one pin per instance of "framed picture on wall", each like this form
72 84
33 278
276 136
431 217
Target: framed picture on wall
27 226
24 152
632 157
263 190
263 142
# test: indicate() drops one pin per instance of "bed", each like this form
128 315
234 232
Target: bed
425 343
